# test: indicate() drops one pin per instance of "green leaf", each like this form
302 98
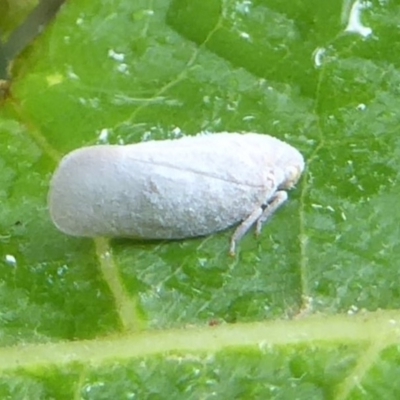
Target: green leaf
310 309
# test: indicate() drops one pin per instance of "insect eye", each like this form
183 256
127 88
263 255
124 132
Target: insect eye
292 175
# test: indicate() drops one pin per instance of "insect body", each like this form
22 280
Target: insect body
173 189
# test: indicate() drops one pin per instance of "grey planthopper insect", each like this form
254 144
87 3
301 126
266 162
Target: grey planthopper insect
174 189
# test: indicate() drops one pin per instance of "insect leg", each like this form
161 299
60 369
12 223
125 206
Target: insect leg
277 200
242 229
